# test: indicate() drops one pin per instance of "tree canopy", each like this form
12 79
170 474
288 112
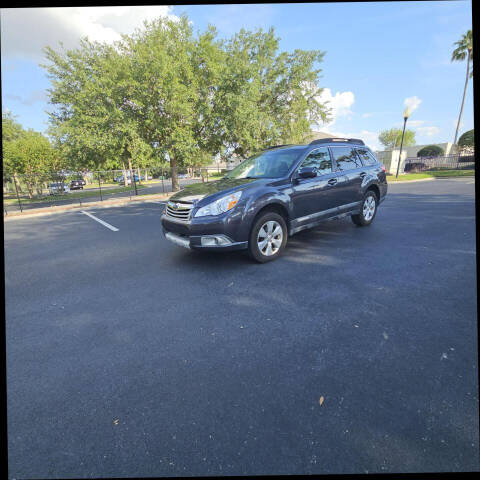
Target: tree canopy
165 93
467 139
464 50
392 138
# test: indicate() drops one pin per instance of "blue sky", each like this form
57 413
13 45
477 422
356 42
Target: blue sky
379 55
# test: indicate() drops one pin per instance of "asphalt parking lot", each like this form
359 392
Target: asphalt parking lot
355 352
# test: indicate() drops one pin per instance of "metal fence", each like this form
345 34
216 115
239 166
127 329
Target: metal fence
42 190
450 162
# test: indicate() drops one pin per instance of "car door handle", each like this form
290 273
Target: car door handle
332 181
363 174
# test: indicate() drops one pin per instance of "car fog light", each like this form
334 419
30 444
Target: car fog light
209 241
213 240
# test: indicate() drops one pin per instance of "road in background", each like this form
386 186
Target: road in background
106 192
355 352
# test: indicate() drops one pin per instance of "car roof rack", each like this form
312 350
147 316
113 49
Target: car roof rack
356 141
278 146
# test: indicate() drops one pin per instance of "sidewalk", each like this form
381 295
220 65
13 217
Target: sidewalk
36 212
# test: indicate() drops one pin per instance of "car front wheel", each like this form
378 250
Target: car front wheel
368 210
268 237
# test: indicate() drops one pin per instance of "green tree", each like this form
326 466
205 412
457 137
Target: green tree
464 49
32 156
392 138
431 151
165 88
267 97
165 93
467 141
11 129
94 122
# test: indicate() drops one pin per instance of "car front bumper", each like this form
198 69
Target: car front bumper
194 242
210 234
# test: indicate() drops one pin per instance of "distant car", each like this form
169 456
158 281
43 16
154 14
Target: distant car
129 180
182 175
77 184
58 187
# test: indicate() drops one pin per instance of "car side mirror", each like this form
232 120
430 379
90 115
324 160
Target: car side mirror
307 172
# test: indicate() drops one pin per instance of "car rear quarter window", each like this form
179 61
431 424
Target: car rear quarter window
345 158
320 160
367 157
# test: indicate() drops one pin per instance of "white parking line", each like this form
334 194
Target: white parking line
105 224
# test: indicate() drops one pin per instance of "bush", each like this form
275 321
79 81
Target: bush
414 167
430 151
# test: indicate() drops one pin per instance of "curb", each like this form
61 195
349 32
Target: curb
431 178
411 181
39 212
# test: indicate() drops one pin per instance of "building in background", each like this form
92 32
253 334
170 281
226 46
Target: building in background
390 157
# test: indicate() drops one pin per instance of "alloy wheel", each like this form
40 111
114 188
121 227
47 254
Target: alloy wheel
369 208
269 238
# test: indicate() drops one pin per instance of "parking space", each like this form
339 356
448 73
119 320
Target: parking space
354 352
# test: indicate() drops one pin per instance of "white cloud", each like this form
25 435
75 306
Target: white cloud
25 31
370 138
428 131
412 103
339 103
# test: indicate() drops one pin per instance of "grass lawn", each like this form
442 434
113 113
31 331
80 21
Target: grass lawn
452 173
430 174
72 196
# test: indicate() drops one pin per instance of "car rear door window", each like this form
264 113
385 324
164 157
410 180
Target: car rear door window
367 157
345 158
320 160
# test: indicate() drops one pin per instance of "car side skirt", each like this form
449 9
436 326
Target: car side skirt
316 218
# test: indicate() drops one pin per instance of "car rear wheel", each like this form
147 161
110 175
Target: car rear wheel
368 210
268 237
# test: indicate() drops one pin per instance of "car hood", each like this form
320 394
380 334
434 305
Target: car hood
197 191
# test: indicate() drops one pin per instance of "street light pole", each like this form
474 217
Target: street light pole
406 114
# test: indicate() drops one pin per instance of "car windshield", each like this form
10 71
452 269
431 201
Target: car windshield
267 164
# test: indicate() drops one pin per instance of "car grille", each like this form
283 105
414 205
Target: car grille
179 211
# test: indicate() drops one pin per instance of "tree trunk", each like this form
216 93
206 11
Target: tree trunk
130 169
19 188
125 182
30 188
173 171
139 175
463 102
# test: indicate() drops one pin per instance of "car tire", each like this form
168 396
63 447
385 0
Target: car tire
266 227
368 210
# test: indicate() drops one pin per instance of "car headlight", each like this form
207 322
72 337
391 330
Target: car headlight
219 206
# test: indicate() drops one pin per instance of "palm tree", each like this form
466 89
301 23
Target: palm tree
464 49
